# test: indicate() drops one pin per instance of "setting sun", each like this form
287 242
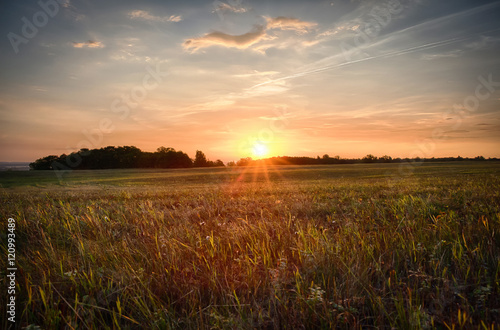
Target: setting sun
260 149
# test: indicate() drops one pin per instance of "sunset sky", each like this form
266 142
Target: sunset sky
299 78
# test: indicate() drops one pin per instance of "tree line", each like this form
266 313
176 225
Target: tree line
123 157
132 157
327 160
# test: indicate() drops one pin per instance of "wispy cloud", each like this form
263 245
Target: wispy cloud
346 27
483 42
71 11
256 74
88 44
290 23
450 54
258 34
224 7
142 14
175 18
227 40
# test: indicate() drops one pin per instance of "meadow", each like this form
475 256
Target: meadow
289 247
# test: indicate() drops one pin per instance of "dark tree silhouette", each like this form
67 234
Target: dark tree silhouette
244 161
115 157
385 159
200 160
169 158
369 159
44 163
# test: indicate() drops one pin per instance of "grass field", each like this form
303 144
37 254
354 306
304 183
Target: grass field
343 246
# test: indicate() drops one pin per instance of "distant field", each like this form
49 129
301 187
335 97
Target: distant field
181 177
340 246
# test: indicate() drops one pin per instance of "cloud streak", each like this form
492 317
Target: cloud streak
227 40
88 44
224 7
144 15
290 24
256 35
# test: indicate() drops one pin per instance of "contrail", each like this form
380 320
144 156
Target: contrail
369 58
398 52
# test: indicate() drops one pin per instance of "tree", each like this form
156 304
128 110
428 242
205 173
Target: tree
385 159
169 158
369 159
44 163
162 149
244 161
200 159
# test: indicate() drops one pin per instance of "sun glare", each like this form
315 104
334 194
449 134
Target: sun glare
259 149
